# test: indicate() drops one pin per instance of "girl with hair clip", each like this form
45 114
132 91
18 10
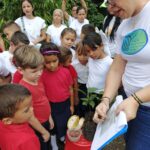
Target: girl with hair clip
33 26
58 85
54 30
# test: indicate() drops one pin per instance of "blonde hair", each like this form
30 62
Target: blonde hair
28 56
80 49
61 14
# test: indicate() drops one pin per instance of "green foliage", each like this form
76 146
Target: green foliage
11 10
90 98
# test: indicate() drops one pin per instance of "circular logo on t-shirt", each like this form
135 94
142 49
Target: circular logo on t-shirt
134 42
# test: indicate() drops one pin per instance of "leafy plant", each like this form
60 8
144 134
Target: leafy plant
91 98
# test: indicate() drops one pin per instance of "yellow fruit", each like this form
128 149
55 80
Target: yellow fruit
73 122
80 124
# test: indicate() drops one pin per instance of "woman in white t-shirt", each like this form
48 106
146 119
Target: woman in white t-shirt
32 26
79 22
54 30
131 67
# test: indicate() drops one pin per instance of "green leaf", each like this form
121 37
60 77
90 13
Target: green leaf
92 90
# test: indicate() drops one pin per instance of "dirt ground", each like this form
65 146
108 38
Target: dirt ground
117 144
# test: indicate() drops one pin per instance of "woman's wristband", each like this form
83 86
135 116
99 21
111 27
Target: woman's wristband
136 98
105 97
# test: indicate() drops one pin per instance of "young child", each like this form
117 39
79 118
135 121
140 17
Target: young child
65 60
79 22
10 28
30 63
54 30
81 67
86 29
99 63
68 37
15 113
73 16
58 85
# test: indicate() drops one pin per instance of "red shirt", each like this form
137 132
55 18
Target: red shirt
18 137
17 77
40 101
57 84
72 71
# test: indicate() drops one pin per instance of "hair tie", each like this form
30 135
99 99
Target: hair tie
46 52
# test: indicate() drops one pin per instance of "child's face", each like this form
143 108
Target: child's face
83 59
24 112
51 62
94 54
57 18
8 32
68 61
81 15
74 10
27 8
68 40
32 75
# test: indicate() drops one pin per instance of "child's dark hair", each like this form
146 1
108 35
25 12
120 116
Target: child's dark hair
49 48
92 40
27 56
19 37
11 24
10 98
80 49
115 26
65 54
68 30
29 1
80 8
87 28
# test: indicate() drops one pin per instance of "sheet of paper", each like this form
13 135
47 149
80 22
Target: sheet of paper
111 128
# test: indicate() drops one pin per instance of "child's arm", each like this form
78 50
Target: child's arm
71 100
34 122
40 38
63 7
83 4
51 122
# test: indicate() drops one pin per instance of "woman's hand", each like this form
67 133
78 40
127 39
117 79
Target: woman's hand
101 112
130 107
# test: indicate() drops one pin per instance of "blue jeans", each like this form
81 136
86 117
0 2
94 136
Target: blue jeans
138 134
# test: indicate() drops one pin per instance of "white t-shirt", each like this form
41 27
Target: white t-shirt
55 33
77 26
82 71
6 57
98 70
133 41
70 20
32 27
3 70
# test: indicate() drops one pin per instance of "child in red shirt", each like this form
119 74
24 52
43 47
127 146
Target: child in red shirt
58 85
15 112
30 62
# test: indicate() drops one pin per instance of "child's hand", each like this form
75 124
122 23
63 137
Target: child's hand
46 135
51 122
72 109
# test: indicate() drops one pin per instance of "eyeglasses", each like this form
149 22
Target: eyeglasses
111 2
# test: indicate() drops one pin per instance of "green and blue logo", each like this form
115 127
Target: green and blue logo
134 42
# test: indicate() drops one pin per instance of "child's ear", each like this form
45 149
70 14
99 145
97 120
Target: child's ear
7 120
